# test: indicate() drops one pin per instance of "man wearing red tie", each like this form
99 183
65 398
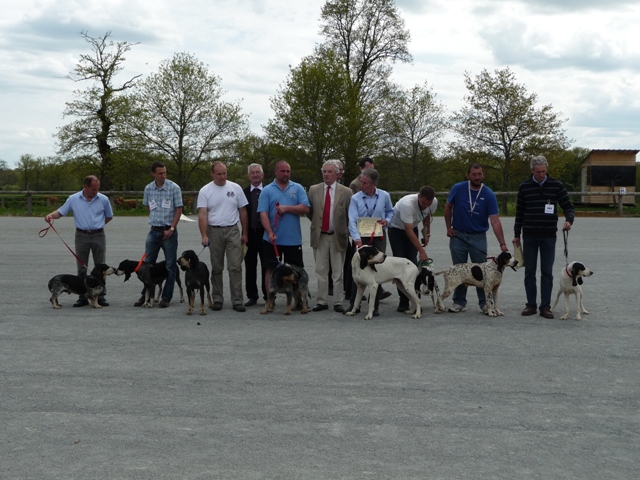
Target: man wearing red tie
329 217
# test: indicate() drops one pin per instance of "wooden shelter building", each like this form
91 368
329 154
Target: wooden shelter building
609 171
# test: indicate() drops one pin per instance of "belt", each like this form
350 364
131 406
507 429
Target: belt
90 232
161 228
221 226
327 233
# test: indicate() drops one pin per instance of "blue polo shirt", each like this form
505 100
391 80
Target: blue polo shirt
287 230
87 215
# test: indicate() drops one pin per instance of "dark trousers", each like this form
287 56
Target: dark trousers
402 247
94 244
255 251
381 244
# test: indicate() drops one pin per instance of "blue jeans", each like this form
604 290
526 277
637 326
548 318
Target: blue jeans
463 246
530 248
170 248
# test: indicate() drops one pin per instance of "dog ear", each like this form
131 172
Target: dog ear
579 280
430 280
127 276
364 261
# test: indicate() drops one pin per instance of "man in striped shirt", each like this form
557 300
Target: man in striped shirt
537 220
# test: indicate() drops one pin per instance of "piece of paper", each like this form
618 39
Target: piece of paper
369 225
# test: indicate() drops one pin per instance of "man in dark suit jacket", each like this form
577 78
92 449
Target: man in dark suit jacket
256 231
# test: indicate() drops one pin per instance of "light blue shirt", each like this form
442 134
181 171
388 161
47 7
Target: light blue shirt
377 206
87 215
162 202
287 228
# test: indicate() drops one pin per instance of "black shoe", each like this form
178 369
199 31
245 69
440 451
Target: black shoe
103 302
402 308
238 308
216 306
376 313
140 302
319 307
385 294
338 308
546 312
251 302
164 303
82 302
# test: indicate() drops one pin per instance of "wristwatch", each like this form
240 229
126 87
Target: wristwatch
173 229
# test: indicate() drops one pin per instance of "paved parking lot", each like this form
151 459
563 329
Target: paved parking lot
129 393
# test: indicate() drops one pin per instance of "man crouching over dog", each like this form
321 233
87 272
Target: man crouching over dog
370 211
91 212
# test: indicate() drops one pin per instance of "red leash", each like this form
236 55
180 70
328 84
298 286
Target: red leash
44 231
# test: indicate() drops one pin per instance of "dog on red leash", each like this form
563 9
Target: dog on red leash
571 284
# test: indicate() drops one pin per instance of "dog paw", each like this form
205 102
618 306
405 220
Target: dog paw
499 313
585 312
304 310
417 315
564 317
57 307
189 312
349 314
578 317
202 313
265 311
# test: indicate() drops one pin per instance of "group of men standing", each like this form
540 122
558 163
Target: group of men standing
270 231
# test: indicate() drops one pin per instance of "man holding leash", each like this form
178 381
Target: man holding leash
281 204
470 207
221 206
537 220
91 212
409 212
163 199
368 207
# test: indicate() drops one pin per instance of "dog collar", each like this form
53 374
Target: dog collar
144 255
494 260
566 269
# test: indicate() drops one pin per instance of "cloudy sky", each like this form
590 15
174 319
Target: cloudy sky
581 56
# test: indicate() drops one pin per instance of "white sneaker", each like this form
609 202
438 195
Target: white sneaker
455 308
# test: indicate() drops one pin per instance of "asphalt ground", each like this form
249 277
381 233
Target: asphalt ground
132 393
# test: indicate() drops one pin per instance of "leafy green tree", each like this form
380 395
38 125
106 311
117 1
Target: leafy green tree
414 125
97 133
29 169
307 108
502 125
179 113
8 176
367 36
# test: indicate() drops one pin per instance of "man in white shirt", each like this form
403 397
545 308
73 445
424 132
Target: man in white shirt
409 212
221 205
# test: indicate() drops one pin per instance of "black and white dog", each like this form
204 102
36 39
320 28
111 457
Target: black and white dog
152 275
426 284
571 284
196 277
91 286
487 276
370 268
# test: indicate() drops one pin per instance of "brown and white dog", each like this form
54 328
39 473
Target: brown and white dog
371 268
571 284
487 276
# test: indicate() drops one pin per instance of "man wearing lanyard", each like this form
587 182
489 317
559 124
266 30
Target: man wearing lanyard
91 212
370 202
163 199
409 212
470 207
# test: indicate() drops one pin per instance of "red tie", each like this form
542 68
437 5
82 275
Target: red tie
326 215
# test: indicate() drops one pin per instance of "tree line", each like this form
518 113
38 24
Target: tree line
338 102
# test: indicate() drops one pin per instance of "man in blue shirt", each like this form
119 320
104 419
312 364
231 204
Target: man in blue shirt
369 202
280 205
470 206
163 199
91 212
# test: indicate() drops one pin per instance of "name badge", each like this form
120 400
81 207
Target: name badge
152 204
166 203
548 208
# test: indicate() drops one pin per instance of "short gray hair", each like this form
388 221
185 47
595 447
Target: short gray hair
539 160
372 173
335 163
254 165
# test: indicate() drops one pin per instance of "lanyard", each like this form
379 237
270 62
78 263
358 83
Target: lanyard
472 205
372 211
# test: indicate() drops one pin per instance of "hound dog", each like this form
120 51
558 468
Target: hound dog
91 286
571 284
487 276
426 284
293 281
151 275
196 277
370 268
